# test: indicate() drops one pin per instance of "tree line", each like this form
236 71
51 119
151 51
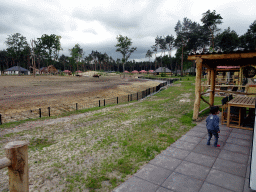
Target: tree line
190 37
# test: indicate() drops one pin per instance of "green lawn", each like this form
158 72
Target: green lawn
107 145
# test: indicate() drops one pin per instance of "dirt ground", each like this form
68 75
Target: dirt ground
22 96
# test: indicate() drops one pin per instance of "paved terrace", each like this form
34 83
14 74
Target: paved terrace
191 165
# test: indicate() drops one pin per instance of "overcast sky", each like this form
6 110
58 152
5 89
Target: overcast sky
95 24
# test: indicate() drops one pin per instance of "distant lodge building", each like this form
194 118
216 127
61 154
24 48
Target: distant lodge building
16 70
163 70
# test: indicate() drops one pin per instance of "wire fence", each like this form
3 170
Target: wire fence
59 109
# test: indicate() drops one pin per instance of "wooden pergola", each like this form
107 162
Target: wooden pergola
211 61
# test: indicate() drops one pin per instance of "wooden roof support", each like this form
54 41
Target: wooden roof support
213 77
199 63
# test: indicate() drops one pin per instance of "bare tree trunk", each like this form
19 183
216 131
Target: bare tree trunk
181 70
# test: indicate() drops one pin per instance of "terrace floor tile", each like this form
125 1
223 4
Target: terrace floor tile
230 167
193 170
184 145
207 187
135 184
190 139
241 142
196 134
182 183
199 129
242 131
154 174
161 189
200 159
207 150
225 180
241 136
204 141
237 148
166 162
175 152
233 156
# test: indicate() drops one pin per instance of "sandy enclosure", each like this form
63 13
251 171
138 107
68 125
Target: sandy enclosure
22 96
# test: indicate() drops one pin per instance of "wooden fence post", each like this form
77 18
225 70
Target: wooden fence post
128 98
76 106
17 153
137 96
49 111
0 119
99 103
40 113
117 100
104 103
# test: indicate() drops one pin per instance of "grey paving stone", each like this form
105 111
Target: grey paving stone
221 137
182 183
225 180
230 167
225 128
199 129
190 139
247 187
241 136
165 162
242 131
201 125
224 132
207 150
248 171
196 134
193 170
184 145
237 148
233 156
154 174
204 141
207 187
175 152
237 141
135 184
161 189
200 159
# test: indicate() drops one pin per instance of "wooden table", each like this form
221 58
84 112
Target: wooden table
248 102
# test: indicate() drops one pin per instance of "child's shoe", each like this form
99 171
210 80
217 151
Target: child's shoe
218 146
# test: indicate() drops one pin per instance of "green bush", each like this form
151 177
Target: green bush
163 75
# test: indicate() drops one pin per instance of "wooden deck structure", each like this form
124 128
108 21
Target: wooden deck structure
211 61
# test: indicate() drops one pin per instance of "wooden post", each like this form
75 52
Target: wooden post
208 76
49 111
17 153
240 78
199 63
213 75
0 119
40 113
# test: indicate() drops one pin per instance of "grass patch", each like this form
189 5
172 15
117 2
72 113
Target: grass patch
101 150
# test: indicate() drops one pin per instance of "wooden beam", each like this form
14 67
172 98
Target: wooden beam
223 56
199 62
213 77
205 100
204 110
235 92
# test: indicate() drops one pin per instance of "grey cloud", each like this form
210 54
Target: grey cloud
16 18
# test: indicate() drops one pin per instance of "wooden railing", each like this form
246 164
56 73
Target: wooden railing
17 162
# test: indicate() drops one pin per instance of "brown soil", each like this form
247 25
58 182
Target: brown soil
21 96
